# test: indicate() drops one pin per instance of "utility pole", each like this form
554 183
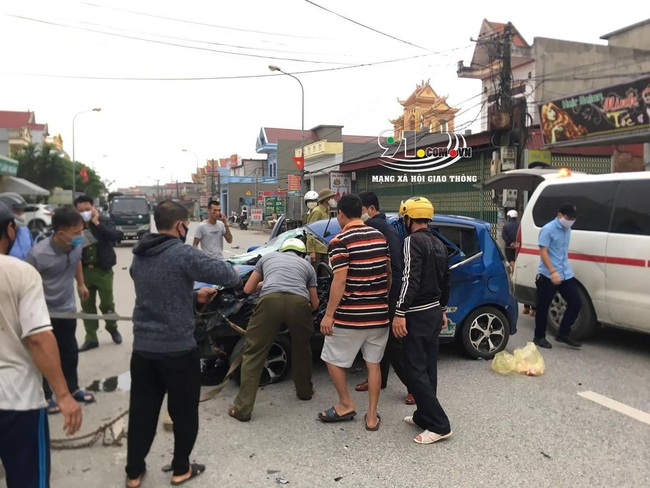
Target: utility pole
212 179
505 102
218 185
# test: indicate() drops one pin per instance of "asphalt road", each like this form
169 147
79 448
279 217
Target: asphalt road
508 431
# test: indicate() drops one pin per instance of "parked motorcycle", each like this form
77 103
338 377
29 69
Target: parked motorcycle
220 342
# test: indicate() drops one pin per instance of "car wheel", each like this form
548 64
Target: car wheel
36 225
278 361
485 332
584 326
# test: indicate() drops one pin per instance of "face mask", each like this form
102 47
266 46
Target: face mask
332 203
87 215
183 238
311 205
364 216
19 221
75 240
566 223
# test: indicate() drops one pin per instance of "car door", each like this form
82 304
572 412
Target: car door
627 267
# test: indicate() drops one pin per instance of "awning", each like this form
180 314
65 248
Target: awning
8 166
21 186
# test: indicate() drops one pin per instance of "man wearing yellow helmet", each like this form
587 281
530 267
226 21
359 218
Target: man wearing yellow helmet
288 295
420 316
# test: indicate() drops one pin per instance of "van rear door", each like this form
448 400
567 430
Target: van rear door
628 257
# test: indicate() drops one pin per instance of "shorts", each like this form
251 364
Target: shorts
342 347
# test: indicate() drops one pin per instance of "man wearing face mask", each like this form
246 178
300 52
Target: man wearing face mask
24 240
555 274
311 201
326 202
164 358
58 260
98 260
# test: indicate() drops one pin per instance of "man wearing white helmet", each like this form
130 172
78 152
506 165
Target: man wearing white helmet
24 240
288 296
311 201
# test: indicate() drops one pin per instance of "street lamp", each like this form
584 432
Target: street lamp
74 175
302 126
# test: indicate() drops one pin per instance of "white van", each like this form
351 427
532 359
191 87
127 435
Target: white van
609 249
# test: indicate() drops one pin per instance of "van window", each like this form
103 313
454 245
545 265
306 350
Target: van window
464 238
593 200
632 213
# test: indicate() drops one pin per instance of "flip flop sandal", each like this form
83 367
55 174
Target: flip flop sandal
52 407
430 437
140 479
409 420
82 396
331 415
196 470
376 427
362 386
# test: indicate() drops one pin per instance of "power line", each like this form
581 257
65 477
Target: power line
365 26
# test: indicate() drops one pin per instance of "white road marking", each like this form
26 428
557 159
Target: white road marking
636 414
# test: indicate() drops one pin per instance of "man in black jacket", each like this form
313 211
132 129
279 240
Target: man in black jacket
98 259
393 353
420 316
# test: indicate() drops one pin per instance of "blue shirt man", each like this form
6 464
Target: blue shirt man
23 243
555 275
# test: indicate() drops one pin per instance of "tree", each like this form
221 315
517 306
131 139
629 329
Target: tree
47 167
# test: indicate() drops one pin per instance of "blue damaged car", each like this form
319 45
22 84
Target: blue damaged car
482 311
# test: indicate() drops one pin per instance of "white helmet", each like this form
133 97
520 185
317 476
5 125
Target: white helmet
512 214
311 196
293 244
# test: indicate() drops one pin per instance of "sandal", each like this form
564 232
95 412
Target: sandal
52 407
139 480
331 415
409 420
409 399
195 470
234 413
362 386
430 437
83 397
376 427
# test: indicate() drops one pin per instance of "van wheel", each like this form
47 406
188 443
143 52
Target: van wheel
585 325
485 332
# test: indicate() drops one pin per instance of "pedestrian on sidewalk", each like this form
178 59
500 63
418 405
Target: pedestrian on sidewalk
98 259
421 315
356 318
288 296
58 260
165 359
373 217
211 232
554 274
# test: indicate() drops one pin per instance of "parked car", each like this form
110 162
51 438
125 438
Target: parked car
608 251
38 216
482 311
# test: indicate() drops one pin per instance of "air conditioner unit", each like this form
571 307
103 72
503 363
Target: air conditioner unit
508 158
509 198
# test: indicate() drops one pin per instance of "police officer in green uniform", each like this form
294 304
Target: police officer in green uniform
98 259
317 251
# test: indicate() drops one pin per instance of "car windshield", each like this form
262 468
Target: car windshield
130 206
272 245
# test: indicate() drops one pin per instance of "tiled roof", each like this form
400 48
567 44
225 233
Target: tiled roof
517 38
15 120
274 134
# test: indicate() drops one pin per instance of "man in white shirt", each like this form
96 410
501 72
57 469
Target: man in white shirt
211 232
27 349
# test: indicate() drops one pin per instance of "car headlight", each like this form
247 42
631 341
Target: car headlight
145 227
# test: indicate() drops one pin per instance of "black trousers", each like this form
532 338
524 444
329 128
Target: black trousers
25 448
546 290
180 378
393 353
64 331
420 355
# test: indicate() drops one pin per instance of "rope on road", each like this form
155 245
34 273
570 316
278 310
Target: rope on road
110 433
88 316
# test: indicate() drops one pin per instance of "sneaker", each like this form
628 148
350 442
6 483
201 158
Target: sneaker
542 342
567 340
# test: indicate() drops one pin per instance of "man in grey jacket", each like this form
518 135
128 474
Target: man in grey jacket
164 359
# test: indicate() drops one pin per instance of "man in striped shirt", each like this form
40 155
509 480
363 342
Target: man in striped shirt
356 318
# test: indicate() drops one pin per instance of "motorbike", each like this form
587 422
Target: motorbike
243 222
220 327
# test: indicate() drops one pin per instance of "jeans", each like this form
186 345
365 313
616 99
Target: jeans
546 290
64 331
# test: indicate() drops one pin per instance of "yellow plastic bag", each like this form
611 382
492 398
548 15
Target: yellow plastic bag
503 363
527 360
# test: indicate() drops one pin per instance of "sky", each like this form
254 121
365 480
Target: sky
174 75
